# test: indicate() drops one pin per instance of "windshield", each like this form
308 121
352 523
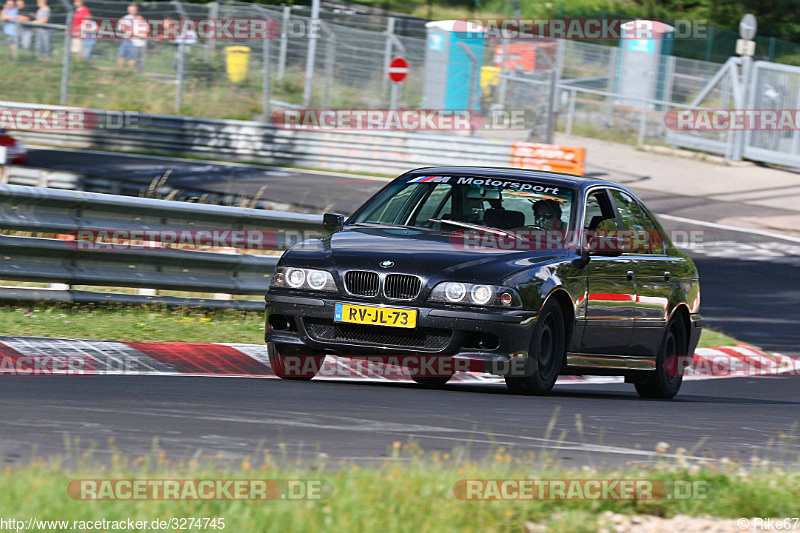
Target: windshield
442 201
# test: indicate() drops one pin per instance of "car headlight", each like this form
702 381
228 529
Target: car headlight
303 278
455 292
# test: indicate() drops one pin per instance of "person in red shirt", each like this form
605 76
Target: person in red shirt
81 13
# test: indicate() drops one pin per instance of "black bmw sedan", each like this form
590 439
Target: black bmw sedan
519 273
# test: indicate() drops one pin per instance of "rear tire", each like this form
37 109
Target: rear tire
661 384
548 350
293 363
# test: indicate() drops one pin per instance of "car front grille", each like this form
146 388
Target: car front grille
401 286
361 282
428 339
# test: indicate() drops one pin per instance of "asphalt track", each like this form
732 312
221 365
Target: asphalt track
749 289
360 421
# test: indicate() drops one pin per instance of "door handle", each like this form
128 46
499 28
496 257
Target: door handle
666 275
630 275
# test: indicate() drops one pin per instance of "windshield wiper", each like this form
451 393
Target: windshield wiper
475 227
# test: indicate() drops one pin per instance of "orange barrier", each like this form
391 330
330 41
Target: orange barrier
552 157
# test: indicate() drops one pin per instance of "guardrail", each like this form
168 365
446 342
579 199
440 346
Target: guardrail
355 151
36 177
42 210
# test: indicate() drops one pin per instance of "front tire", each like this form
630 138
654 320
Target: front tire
547 350
293 363
661 384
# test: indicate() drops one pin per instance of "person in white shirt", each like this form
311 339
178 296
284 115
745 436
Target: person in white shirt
133 47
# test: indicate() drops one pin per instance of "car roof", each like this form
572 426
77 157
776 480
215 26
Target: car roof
519 174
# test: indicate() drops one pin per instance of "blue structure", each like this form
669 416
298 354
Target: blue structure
448 66
642 63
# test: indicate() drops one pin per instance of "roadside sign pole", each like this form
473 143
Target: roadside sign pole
745 47
311 53
395 95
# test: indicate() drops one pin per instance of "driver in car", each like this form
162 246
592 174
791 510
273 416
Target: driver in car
547 214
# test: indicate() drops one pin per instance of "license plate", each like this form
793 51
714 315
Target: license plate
375 316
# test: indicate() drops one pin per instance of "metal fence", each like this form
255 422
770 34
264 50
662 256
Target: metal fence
35 210
572 89
193 78
379 152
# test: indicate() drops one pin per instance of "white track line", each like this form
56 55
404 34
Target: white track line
730 228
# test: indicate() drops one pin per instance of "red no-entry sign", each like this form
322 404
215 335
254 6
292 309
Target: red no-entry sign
398 69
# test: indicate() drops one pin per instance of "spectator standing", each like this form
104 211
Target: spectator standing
25 33
88 32
43 48
141 30
81 13
9 16
132 48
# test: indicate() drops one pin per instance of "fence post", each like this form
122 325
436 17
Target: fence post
612 79
555 78
180 74
642 126
387 55
266 66
213 14
313 30
501 91
570 112
473 71
287 11
330 59
64 96
739 139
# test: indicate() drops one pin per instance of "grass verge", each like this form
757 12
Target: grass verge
160 324
409 491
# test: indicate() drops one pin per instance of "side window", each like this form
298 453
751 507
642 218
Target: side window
656 239
599 214
633 222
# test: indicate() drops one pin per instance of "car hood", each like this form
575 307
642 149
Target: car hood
423 252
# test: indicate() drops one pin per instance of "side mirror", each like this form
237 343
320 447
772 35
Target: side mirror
605 246
332 222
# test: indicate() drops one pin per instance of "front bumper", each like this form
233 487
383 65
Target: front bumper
440 331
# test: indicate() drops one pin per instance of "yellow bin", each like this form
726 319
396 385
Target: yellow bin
488 74
236 58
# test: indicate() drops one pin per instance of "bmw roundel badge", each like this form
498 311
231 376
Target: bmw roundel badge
387 264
